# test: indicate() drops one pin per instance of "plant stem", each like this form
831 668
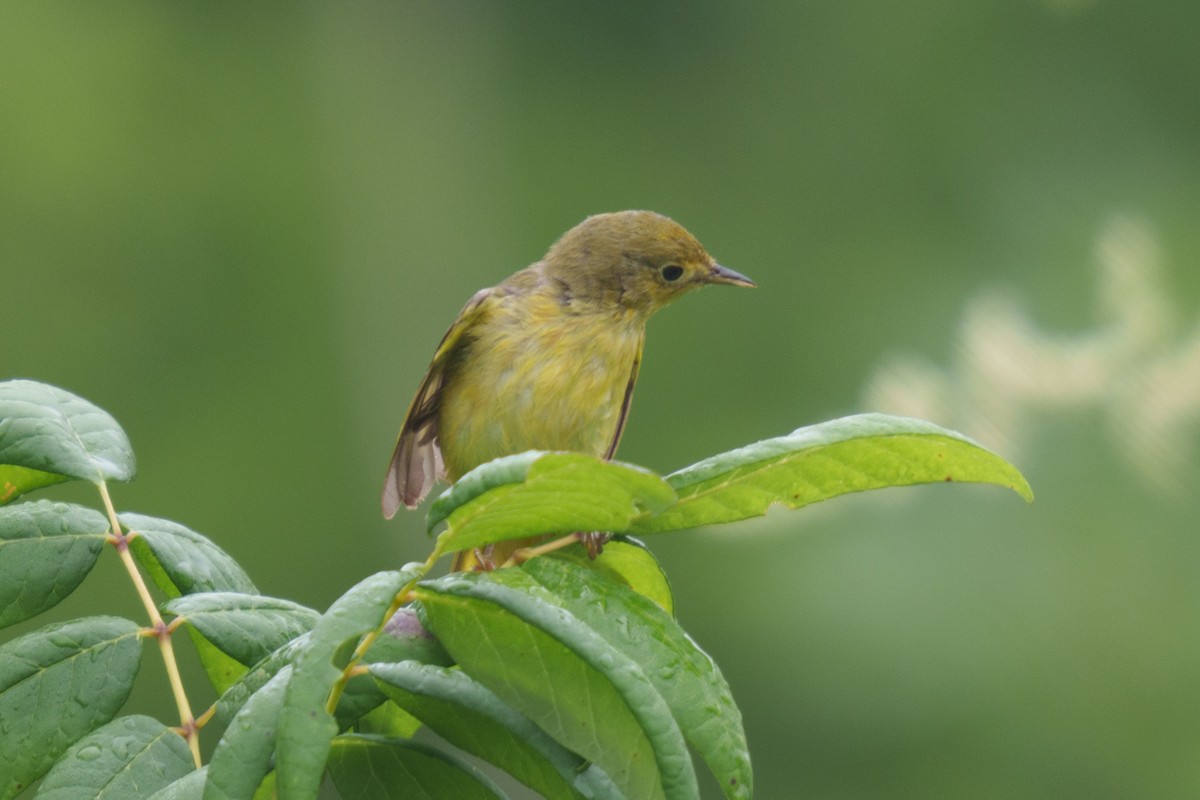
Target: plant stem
364 644
526 553
159 629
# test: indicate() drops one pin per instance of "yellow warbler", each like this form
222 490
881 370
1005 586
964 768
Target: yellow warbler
547 359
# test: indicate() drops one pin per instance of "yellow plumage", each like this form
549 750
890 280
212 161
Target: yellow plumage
548 358
550 402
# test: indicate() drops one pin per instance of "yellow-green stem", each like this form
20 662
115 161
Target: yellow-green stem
526 553
351 668
161 633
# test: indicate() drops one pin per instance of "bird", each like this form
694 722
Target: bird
547 359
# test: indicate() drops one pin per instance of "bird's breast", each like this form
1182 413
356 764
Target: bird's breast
535 378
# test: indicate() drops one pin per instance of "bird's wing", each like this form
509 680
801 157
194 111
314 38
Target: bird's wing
417 459
625 401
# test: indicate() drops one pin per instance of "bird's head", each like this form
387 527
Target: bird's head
636 260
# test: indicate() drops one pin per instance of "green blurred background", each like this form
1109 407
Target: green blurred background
242 228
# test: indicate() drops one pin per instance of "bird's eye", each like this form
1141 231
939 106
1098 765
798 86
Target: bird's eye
672 272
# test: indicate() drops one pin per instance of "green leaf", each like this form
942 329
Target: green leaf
688 680
306 728
852 454
626 561
16 481
388 719
402 638
46 550
130 758
464 713
536 493
247 627
255 678
181 561
58 684
48 435
242 758
223 671
509 633
189 787
373 768
266 789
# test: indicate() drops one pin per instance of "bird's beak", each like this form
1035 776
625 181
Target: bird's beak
719 274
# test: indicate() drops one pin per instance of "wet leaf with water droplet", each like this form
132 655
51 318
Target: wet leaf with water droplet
48 435
89 753
512 635
628 561
306 728
819 462
690 683
130 758
379 768
246 627
46 550
182 562
243 756
469 716
58 684
189 787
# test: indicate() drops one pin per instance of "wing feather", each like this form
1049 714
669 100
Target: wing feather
625 401
417 460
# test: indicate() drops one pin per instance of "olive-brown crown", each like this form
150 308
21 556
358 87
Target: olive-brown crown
637 260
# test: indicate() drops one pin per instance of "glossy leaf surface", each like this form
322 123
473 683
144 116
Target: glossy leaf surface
48 435
852 454
46 550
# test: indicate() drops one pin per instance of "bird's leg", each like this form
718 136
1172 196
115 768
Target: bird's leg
593 542
483 558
